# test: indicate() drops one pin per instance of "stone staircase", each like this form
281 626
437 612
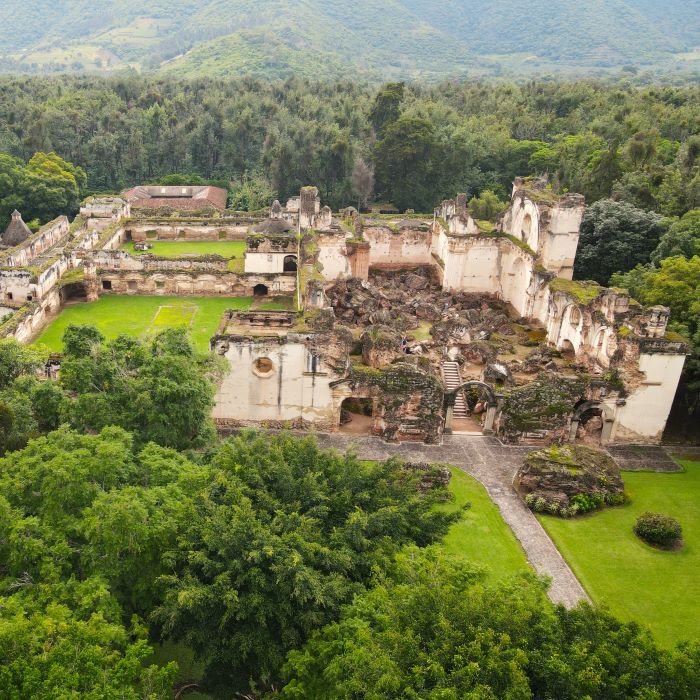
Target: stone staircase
452 379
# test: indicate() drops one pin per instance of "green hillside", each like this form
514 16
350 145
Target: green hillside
371 39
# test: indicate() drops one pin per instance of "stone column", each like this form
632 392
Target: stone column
449 412
489 420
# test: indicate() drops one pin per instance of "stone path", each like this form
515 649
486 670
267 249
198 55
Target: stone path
494 465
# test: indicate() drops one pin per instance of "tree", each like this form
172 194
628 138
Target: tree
486 206
362 182
16 360
67 640
615 236
433 628
254 193
386 108
286 535
162 390
405 160
681 238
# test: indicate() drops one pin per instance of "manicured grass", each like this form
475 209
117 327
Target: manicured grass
175 249
482 535
636 581
143 315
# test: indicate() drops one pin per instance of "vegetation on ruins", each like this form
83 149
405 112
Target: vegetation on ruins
569 480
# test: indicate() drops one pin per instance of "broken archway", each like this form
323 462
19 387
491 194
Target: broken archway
591 423
484 394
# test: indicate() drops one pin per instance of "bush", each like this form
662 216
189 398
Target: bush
657 529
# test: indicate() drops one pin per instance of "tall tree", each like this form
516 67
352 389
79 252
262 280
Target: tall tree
615 237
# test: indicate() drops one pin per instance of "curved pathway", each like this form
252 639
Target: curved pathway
494 465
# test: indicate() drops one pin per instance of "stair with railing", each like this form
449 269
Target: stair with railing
452 379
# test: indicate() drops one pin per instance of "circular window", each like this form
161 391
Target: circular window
263 366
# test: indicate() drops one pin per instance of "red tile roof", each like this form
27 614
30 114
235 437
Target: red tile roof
177 196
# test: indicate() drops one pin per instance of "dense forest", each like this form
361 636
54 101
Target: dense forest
126 529
634 152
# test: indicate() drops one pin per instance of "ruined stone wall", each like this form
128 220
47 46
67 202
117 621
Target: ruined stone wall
333 256
197 230
28 321
46 237
395 249
473 264
192 283
123 260
643 416
285 395
266 263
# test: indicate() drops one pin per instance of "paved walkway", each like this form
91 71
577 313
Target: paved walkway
494 465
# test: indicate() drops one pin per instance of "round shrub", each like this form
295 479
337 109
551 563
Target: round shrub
657 529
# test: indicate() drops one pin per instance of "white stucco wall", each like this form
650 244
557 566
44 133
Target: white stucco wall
268 263
288 393
647 408
332 256
405 247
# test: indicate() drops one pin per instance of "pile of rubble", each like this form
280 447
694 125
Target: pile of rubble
405 299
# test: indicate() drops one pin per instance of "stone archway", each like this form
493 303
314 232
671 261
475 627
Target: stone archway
260 290
587 411
492 404
290 263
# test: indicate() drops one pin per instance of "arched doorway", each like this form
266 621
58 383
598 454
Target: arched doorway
260 290
567 349
481 403
356 415
591 423
290 263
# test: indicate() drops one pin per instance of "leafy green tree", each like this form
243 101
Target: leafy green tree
405 161
615 236
162 390
16 360
67 641
386 108
54 186
433 628
252 194
486 206
681 238
286 534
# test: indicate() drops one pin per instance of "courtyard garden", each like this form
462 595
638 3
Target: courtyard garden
637 581
144 315
175 249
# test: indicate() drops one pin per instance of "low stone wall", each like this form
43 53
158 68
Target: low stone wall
207 230
192 283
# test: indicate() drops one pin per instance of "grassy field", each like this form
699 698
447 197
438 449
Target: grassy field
145 315
482 535
175 249
636 581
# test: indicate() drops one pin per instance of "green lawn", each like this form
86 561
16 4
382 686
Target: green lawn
144 315
636 581
175 249
482 535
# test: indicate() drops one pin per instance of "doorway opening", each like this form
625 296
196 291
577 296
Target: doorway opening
356 416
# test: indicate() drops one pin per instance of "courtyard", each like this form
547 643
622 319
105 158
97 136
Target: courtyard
144 315
174 249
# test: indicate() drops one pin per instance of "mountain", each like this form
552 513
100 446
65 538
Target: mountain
372 39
